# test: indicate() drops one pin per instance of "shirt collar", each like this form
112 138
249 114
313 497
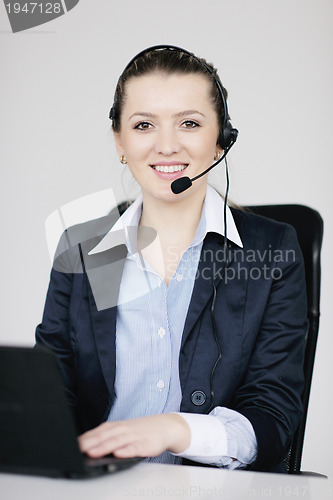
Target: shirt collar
119 233
212 212
213 209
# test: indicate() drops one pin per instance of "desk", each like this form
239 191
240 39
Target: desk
151 481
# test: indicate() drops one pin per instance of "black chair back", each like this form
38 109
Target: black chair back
309 227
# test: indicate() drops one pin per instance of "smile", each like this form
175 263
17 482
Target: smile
169 169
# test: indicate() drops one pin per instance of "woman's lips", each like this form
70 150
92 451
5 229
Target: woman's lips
170 171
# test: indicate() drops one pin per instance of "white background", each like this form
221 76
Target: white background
57 83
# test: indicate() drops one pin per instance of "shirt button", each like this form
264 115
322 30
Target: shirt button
160 384
179 277
161 332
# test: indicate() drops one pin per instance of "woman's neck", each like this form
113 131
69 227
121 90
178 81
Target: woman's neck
175 222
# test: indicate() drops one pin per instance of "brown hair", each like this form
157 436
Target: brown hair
167 61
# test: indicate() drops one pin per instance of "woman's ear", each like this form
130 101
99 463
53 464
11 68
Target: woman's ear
218 147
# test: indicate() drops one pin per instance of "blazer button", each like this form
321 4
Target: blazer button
198 398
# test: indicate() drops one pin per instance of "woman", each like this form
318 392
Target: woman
171 347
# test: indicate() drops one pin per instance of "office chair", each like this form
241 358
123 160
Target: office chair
309 227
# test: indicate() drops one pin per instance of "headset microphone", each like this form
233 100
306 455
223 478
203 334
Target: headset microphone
183 183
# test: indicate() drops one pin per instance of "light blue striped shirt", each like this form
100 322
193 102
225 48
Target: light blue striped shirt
150 322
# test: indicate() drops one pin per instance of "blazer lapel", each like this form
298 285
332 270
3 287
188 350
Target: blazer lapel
210 272
104 271
212 268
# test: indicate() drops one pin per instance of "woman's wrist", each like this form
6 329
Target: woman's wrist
179 438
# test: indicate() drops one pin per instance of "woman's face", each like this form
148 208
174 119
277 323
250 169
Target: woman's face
169 129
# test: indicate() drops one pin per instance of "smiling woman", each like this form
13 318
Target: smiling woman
196 360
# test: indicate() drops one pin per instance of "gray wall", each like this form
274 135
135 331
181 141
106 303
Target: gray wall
57 84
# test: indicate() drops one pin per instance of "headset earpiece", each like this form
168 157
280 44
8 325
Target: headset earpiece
227 136
112 113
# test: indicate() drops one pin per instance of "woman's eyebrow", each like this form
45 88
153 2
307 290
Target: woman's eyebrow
143 113
181 113
189 112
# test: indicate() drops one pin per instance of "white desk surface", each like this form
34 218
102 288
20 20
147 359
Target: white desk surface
151 481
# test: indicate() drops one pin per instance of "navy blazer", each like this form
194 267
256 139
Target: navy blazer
260 315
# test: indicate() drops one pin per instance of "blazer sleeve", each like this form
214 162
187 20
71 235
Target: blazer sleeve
54 332
270 395
71 321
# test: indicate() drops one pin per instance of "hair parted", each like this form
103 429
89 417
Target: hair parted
173 61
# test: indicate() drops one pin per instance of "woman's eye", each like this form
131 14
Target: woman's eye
190 124
143 126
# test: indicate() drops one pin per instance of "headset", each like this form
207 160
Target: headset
227 136
226 139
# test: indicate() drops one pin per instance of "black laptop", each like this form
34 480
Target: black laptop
37 431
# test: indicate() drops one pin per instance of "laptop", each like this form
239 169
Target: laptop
37 430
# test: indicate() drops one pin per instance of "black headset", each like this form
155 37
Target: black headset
228 134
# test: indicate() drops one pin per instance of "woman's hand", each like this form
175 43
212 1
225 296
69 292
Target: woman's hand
139 437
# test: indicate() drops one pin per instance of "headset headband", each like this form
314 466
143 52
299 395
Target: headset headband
228 134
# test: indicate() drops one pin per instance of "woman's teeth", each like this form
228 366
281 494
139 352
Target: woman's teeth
171 169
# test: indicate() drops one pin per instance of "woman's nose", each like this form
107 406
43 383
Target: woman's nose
167 141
